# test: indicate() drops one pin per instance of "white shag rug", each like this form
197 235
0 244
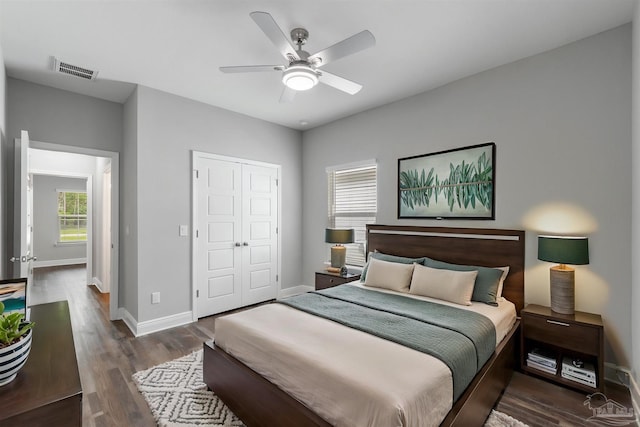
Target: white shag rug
178 397
500 419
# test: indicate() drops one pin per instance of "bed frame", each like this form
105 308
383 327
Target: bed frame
257 402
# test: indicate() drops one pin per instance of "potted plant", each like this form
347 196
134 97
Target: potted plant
15 344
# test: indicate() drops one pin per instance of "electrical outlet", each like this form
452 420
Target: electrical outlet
155 298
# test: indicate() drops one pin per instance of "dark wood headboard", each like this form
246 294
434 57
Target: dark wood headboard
485 247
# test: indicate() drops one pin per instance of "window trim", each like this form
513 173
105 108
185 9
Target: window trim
330 170
60 242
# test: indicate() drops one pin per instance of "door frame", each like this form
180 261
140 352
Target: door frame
89 189
194 217
115 209
22 245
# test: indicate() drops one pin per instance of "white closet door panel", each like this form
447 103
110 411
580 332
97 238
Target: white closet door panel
260 279
259 230
219 219
221 259
221 232
220 286
221 205
260 255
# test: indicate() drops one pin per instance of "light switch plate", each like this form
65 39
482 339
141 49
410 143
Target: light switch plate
184 230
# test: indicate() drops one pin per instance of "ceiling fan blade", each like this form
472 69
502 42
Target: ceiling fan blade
268 25
287 95
251 68
361 41
340 83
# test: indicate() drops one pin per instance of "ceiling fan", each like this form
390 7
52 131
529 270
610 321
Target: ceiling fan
302 71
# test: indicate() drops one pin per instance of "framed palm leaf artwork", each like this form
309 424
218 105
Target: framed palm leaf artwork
452 184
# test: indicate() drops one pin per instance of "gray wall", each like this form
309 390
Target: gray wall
45 218
561 123
60 117
156 132
168 129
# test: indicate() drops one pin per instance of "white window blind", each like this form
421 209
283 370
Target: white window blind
353 204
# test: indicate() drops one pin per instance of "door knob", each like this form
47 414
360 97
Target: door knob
245 244
238 244
23 258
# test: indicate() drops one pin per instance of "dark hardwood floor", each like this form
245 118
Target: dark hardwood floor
539 403
108 355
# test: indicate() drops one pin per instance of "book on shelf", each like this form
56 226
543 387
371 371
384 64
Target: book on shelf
545 362
541 367
543 357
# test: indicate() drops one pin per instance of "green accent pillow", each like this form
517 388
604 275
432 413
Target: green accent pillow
388 258
487 281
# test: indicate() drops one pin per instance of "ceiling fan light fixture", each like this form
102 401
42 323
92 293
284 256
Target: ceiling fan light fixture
299 78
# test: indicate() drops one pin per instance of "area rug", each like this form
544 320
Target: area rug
178 398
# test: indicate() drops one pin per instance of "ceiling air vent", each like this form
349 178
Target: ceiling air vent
73 70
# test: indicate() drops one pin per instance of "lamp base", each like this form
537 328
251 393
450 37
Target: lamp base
562 290
338 256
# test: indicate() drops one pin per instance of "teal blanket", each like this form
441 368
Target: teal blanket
462 339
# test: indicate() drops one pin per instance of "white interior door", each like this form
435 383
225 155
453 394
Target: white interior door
107 245
259 233
23 197
235 236
218 232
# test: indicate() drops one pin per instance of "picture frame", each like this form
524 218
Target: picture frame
13 294
451 184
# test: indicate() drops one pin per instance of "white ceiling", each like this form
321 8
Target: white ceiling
177 46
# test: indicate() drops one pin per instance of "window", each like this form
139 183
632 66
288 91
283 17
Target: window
72 216
353 203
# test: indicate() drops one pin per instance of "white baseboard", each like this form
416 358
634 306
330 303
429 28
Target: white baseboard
59 262
98 284
296 290
154 325
128 319
635 394
616 374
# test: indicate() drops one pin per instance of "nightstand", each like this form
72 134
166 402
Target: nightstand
325 280
578 336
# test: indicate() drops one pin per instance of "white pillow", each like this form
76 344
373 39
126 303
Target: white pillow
447 285
389 275
501 283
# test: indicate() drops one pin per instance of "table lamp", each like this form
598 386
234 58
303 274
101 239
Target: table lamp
563 250
339 236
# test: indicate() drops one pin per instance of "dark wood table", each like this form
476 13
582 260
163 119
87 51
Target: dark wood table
47 390
577 336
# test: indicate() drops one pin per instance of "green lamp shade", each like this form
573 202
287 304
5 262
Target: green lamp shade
338 235
563 250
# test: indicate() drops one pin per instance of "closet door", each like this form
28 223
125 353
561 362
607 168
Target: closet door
219 248
259 233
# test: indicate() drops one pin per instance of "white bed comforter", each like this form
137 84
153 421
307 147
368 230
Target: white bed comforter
346 376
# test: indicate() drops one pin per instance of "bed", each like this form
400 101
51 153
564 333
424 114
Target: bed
259 399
